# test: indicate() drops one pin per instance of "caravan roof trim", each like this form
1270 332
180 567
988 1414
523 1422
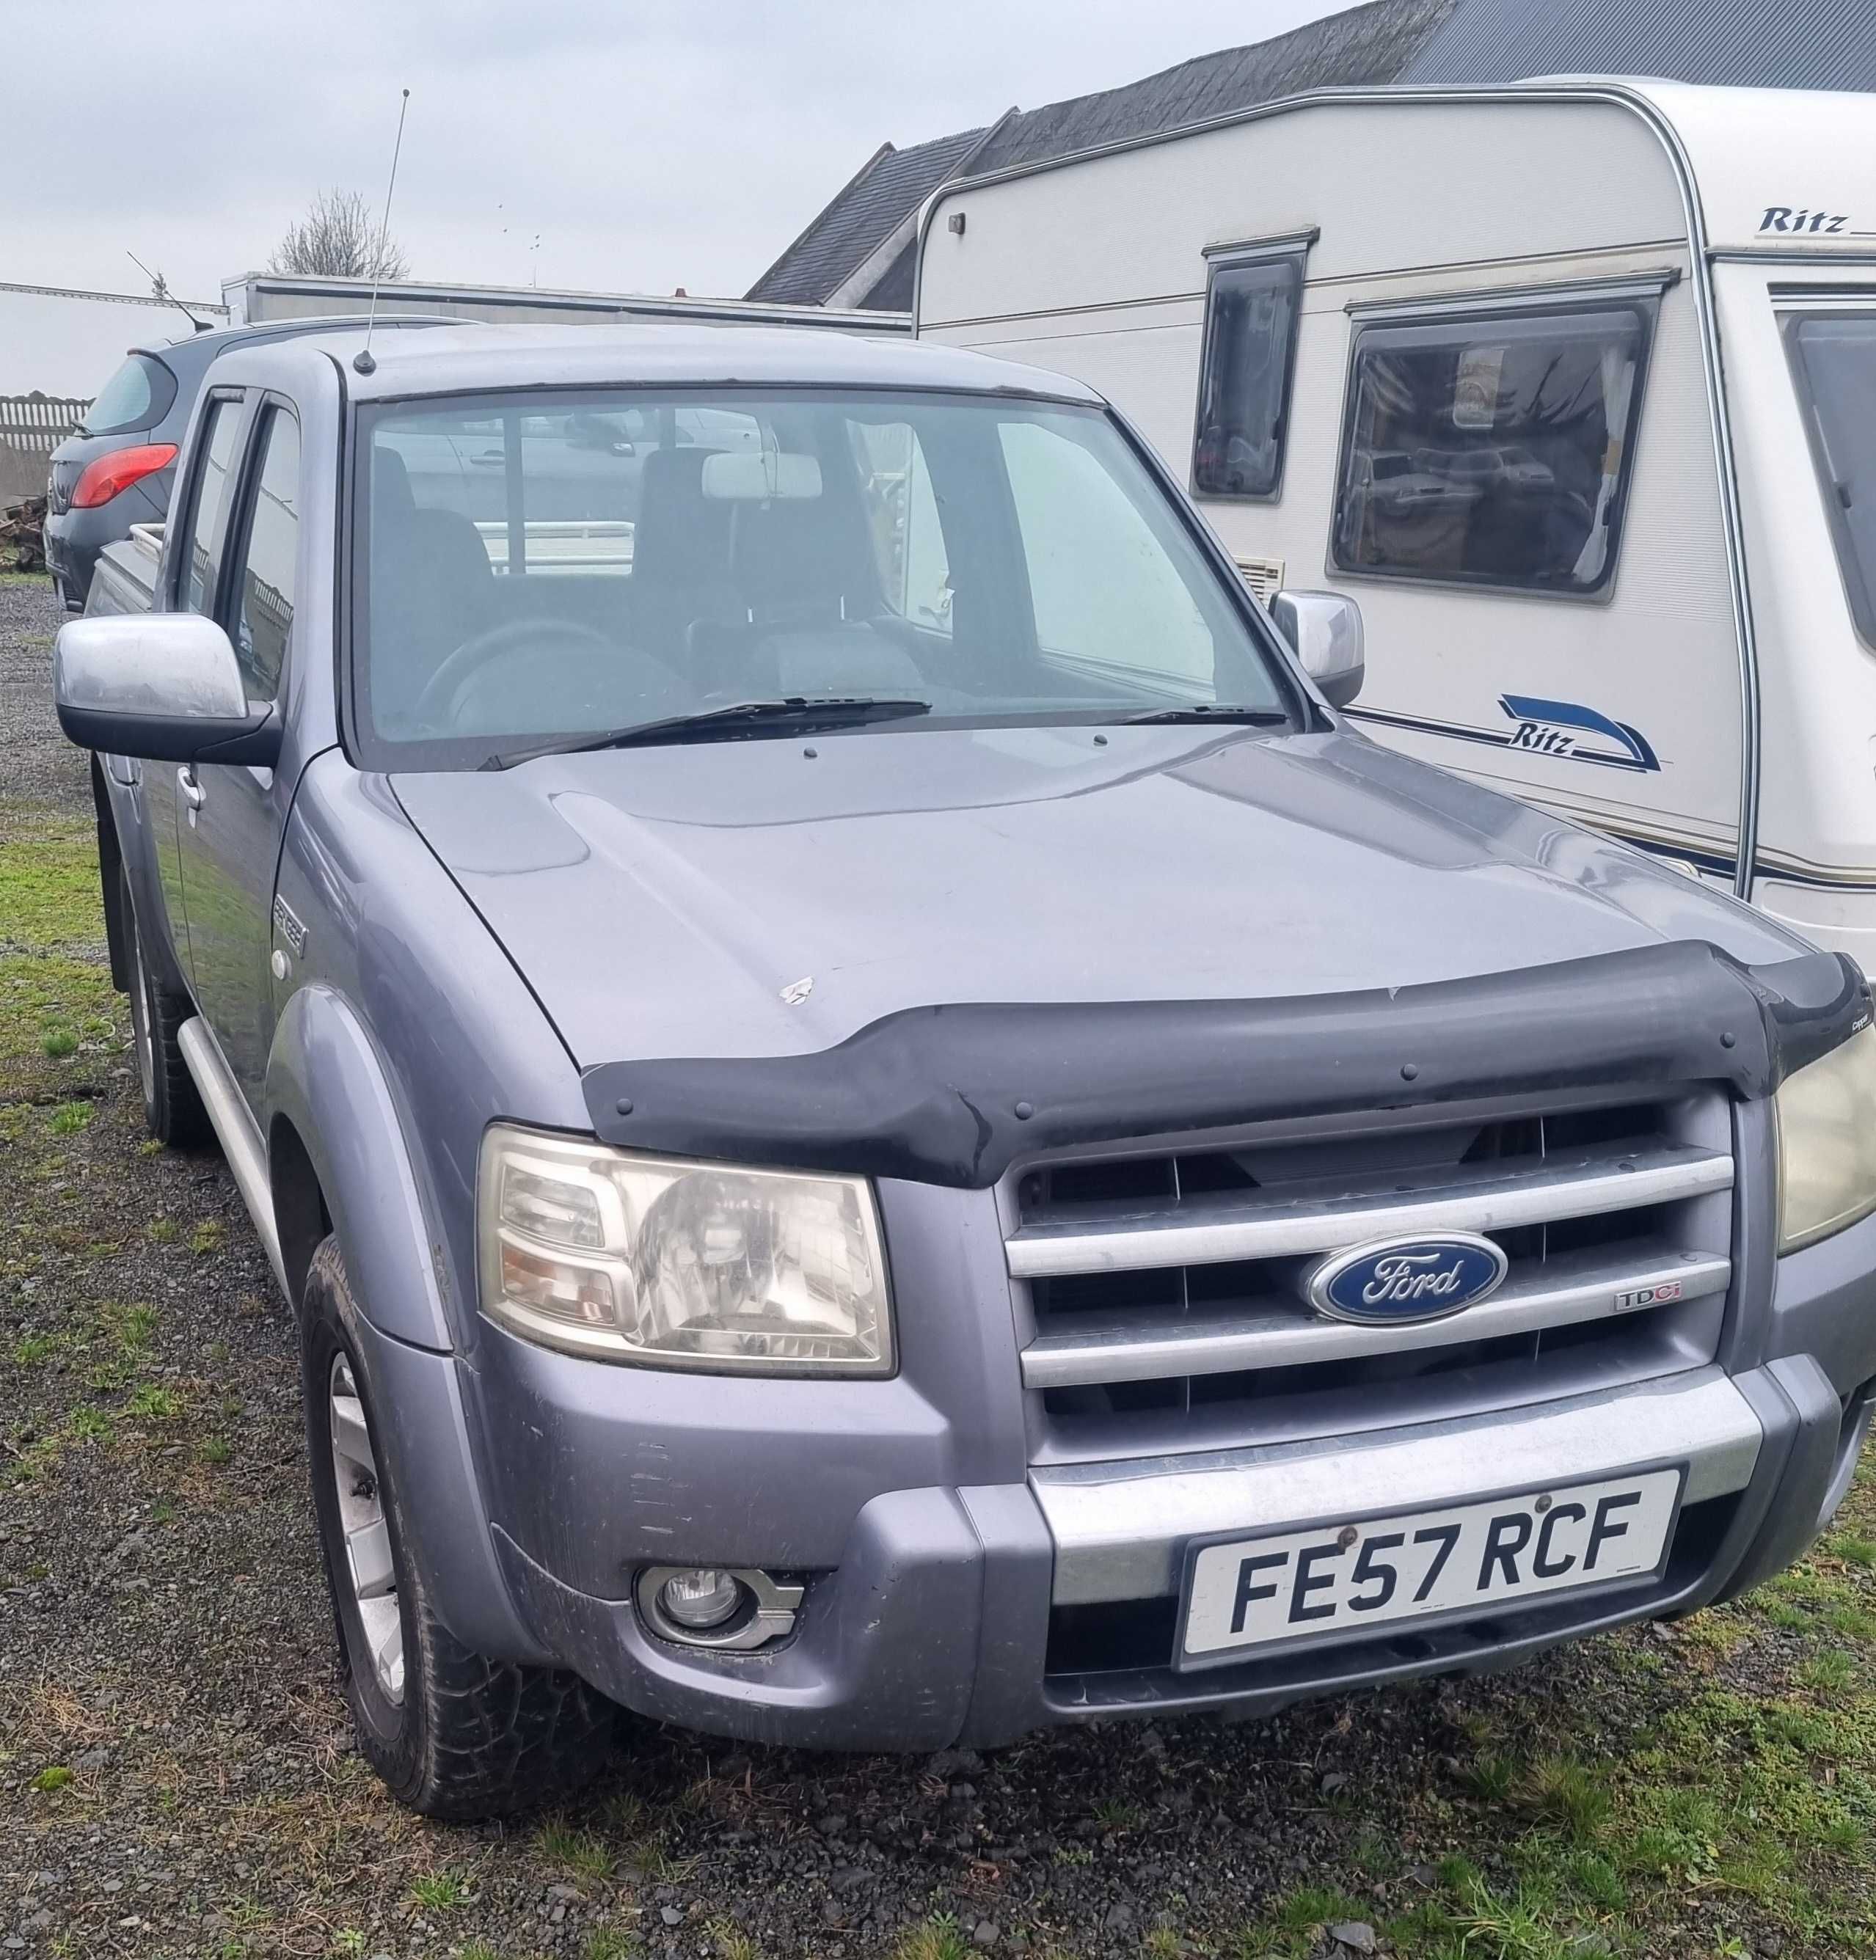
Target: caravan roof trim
1480 302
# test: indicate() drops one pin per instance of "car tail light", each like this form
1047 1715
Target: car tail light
101 480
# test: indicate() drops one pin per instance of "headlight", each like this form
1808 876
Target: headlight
678 1264
1827 1143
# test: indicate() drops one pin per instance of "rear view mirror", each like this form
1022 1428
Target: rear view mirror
759 476
163 687
1324 631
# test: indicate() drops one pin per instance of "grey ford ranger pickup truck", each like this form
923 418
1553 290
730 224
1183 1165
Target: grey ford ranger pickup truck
882 1129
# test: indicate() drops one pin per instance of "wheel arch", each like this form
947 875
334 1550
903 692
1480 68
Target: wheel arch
302 1217
339 1165
337 1153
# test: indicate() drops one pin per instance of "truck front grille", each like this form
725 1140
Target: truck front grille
1163 1293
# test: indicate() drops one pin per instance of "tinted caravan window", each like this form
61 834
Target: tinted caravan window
1250 309
1494 450
1833 360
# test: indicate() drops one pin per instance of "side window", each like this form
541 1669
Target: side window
205 511
264 597
1833 362
1250 309
902 512
1104 587
1493 450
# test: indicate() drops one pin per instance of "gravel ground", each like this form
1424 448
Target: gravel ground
176 1776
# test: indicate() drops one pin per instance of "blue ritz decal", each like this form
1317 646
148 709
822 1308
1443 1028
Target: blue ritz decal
1406 1280
1562 728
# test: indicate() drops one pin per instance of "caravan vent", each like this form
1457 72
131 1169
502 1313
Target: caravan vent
1263 575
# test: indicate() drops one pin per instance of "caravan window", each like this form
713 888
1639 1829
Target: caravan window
1493 450
1250 307
1833 359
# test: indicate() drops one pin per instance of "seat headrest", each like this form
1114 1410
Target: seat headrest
391 482
680 536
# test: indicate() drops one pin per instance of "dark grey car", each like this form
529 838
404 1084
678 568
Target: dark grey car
117 468
882 1125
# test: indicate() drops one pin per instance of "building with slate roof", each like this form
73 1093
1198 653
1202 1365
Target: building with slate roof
858 251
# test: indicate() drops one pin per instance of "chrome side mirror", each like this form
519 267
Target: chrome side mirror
1324 631
163 687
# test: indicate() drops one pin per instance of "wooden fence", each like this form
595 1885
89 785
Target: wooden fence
35 424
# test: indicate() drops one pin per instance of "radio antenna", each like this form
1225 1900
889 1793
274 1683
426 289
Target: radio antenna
361 361
159 286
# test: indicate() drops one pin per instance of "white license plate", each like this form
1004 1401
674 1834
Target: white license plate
1335 1580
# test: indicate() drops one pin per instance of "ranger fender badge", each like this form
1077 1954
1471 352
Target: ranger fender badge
286 923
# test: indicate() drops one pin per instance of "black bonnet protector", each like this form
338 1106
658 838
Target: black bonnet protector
952 1095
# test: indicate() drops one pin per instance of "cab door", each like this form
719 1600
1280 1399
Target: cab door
200 524
234 816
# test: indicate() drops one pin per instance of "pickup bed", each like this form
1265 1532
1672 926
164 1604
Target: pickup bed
881 1127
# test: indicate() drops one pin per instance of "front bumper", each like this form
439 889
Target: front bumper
978 1614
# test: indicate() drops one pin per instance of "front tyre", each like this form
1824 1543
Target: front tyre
454 1734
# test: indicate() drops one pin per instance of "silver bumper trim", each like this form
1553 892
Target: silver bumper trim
1120 1528
1485 1198
1586 1287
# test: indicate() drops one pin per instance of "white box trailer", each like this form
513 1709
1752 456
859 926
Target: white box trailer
254 296
1572 385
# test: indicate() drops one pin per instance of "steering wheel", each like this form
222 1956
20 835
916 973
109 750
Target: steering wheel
518 636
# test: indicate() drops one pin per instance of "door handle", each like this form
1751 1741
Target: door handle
193 793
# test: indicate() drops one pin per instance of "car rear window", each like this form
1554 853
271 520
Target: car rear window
137 396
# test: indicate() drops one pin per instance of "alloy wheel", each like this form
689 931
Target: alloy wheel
369 1568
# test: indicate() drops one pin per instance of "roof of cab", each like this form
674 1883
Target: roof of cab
489 359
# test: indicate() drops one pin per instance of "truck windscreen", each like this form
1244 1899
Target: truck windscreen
529 568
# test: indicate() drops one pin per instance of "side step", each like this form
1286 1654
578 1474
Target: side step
238 1133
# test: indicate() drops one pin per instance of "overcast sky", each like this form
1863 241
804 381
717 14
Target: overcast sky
646 147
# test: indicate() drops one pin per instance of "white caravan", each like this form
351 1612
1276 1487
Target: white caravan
1571 385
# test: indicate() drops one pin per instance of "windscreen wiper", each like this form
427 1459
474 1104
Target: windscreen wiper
1207 711
796 715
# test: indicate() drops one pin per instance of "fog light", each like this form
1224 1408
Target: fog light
700 1599
732 1611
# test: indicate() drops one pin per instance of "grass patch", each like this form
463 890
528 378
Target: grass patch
1829 1672
1491 1777
1294 1925
604 1942
70 1118
1569 1794
580 1853
440 1891
55 1777
134 1326
155 1402
49 889
938 1939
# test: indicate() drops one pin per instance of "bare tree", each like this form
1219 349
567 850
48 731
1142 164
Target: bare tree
338 239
